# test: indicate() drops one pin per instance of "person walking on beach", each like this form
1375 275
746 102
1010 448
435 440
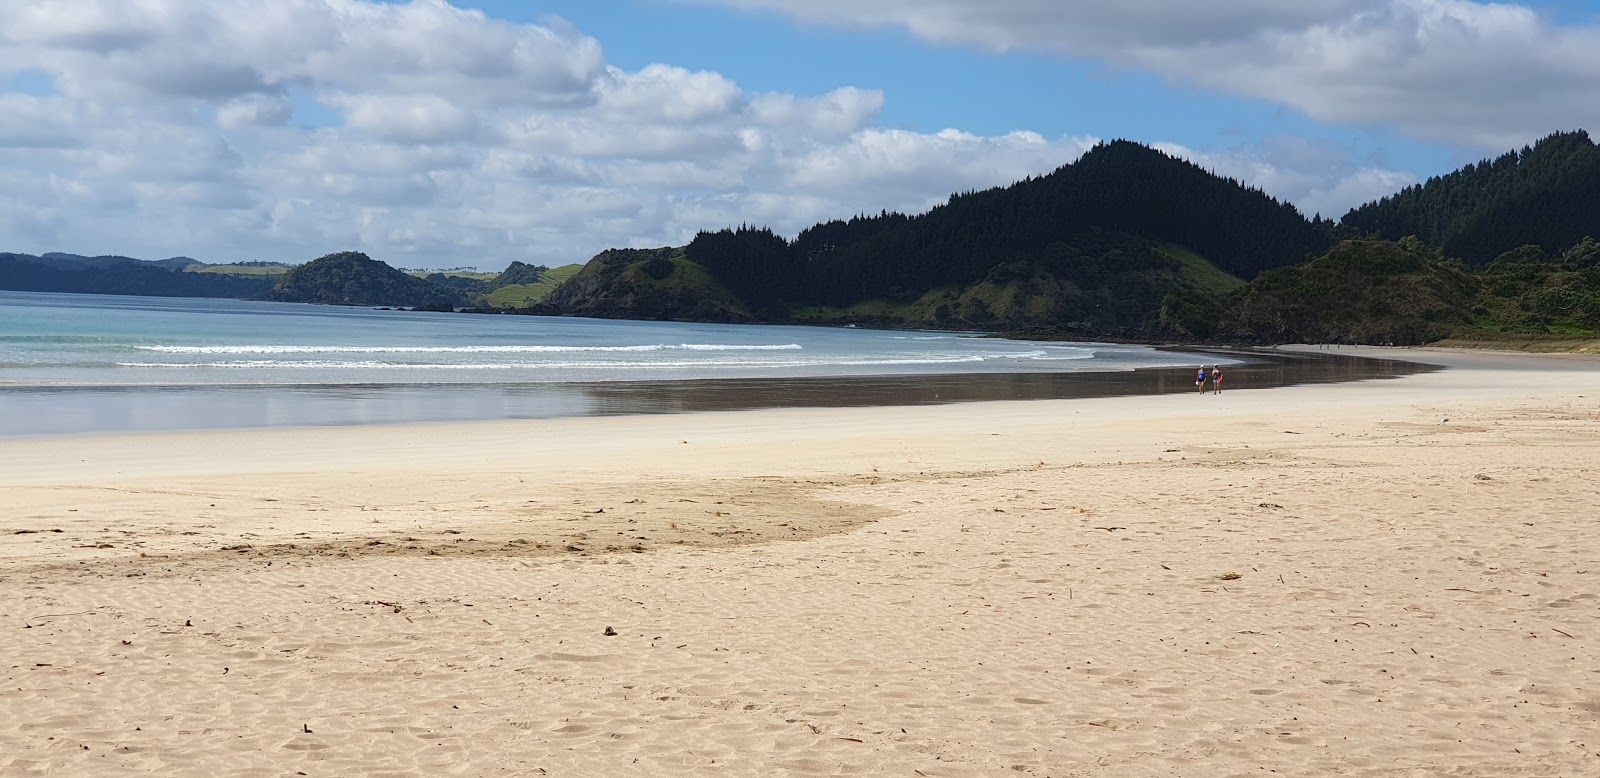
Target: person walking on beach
1200 380
1216 380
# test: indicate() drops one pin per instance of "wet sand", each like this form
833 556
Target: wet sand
1396 577
78 410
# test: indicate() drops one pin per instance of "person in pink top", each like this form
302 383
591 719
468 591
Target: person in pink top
1216 380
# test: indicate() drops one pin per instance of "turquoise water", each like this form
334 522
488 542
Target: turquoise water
97 363
102 340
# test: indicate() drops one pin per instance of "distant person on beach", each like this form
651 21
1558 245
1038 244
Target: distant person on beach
1216 380
1200 380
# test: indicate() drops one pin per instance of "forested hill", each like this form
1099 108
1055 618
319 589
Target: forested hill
353 278
1120 187
121 275
1547 194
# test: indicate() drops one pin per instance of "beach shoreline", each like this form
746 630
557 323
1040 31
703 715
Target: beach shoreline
93 409
1381 577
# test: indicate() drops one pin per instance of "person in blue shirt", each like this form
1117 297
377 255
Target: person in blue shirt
1200 380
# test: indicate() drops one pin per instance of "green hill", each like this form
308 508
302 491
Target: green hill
1405 293
1359 292
645 284
353 278
1097 283
1120 187
1522 292
272 272
520 274
1547 195
522 286
122 275
1126 241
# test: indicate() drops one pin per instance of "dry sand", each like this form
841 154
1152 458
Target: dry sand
1312 581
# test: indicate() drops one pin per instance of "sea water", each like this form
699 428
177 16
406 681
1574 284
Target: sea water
106 340
80 363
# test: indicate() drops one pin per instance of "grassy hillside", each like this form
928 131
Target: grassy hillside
525 295
254 271
1205 275
467 274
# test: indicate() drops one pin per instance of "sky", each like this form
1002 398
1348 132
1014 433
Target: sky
471 133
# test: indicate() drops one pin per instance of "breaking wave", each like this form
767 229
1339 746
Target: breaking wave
462 349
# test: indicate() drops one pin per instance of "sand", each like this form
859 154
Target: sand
1394 577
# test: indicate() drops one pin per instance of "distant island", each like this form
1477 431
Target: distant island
1127 243
346 278
175 277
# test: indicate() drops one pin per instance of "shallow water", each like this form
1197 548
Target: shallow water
88 363
103 340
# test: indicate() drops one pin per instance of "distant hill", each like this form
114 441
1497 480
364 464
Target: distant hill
1359 292
177 263
520 273
1547 194
257 268
353 278
1522 291
342 279
121 275
522 286
1119 187
1405 293
63 261
1127 241
1130 243
645 284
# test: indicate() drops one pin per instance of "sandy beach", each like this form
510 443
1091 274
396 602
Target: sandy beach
1394 577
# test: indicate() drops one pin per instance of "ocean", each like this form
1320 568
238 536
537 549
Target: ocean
74 363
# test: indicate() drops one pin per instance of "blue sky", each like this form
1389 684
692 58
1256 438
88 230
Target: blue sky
931 87
428 133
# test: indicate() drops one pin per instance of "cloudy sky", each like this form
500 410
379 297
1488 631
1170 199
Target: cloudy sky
474 132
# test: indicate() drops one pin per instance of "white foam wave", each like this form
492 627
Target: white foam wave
1042 355
328 364
510 349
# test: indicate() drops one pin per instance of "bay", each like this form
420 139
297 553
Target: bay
103 340
99 363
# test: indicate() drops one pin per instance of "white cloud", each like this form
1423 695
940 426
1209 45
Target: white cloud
1490 75
131 50
411 118
836 114
666 93
958 160
181 127
1002 25
254 110
27 121
1317 178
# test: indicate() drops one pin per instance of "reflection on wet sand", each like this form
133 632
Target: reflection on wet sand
68 410
1261 371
